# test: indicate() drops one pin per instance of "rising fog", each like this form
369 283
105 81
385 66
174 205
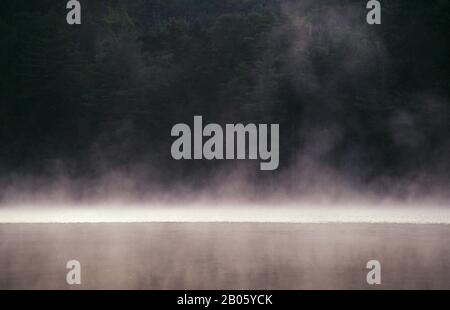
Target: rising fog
363 110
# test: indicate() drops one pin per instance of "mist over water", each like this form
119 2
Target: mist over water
86 171
361 120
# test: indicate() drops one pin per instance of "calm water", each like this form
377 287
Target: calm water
224 255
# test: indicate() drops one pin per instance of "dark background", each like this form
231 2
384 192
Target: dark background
89 107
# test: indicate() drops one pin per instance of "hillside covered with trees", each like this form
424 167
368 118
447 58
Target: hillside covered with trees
370 103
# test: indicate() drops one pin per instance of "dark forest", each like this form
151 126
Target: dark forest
362 108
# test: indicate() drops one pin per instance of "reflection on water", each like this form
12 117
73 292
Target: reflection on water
224 255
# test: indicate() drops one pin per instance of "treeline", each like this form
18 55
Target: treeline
104 95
